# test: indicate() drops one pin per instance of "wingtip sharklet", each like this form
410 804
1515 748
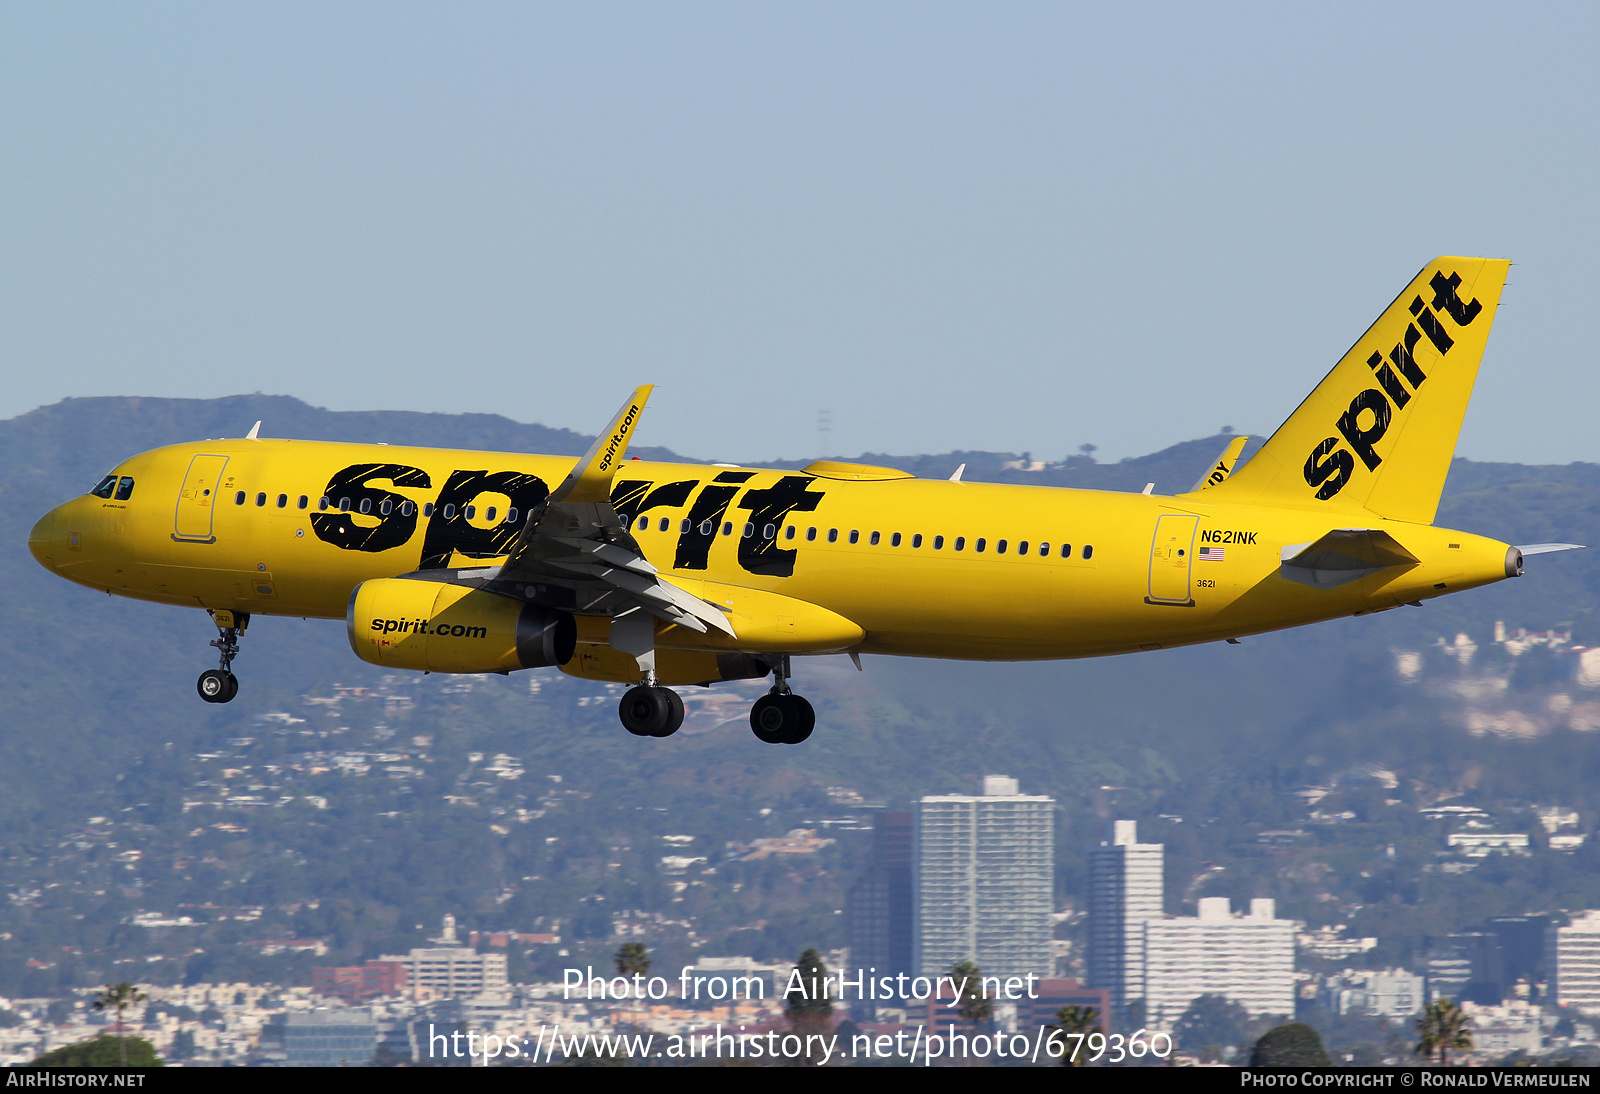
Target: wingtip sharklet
590 478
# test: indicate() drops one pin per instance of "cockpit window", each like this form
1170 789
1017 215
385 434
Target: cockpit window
125 488
106 487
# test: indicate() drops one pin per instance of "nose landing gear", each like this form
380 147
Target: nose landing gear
781 717
220 685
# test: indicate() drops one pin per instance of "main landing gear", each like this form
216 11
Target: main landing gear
781 717
220 685
651 710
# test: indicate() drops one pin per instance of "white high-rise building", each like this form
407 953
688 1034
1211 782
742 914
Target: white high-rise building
451 969
1572 963
985 881
1246 958
1125 892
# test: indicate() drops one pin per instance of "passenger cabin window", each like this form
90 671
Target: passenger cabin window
511 517
727 527
749 530
472 512
788 533
833 535
961 543
105 487
1044 550
323 503
490 514
1022 547
1000 547
707 528
1066 550
894 540
385 507
427 508
665 523
938 543
874 539
366 506
125 488
344 505
769 531
303 502
811 534
450 512
644 524
1088 551
261 501
916 540
980 545
283 501
406 509
855 536
238 499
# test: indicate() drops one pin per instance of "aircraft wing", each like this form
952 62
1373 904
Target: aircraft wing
1342 556
576 554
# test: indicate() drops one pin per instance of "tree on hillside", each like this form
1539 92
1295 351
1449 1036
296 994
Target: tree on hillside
102 1051
1210 1026
1076 1020
1441 1027
1293 1045
119 997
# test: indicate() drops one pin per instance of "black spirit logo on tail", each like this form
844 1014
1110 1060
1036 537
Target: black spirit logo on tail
1367 419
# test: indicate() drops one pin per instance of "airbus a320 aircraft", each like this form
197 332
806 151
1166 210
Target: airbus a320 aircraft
656 574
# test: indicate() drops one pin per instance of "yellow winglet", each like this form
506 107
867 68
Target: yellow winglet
1223 467
590 479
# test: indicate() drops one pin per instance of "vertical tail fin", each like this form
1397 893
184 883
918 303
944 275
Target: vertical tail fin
1381 428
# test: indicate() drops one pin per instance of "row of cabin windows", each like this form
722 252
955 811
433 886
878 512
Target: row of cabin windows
384 508
979 545
707 527
113 487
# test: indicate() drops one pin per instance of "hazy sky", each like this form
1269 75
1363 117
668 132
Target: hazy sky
998 226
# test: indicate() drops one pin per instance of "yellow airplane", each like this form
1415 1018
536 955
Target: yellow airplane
656 574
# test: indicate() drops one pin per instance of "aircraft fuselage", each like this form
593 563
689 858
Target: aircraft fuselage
925 568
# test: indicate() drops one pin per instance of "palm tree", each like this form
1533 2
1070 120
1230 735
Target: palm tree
119 997
809 1003
1442 1027
633 959
1076 1019
975 1007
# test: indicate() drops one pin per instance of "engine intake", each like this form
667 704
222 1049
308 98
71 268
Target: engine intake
432 626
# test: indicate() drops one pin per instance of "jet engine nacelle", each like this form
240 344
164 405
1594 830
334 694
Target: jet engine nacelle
433 626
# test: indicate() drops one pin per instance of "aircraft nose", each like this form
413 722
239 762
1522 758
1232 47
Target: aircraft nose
50 540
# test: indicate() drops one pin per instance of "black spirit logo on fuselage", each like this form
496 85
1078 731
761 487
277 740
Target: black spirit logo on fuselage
348 495
450 530
1329 466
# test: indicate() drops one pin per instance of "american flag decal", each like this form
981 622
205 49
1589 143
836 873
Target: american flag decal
1211 554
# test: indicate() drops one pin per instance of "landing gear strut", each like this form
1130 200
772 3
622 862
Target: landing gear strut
781 717
647 710
220 685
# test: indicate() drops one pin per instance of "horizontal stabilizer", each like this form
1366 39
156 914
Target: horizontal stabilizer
1342 556
1548 548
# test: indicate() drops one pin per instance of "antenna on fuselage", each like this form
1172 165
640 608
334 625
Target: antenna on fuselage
957 476
254 434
